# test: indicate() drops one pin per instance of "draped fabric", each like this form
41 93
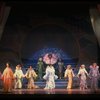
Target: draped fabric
2 7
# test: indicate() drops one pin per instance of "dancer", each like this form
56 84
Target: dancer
40 67
50 77
82 74
60 68
7 78
69 73
18 77
94 76
31 75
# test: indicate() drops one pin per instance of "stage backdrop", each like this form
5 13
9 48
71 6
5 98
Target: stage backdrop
31 35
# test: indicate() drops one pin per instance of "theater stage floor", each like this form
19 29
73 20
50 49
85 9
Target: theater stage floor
54 91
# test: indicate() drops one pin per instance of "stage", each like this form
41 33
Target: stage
54 91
